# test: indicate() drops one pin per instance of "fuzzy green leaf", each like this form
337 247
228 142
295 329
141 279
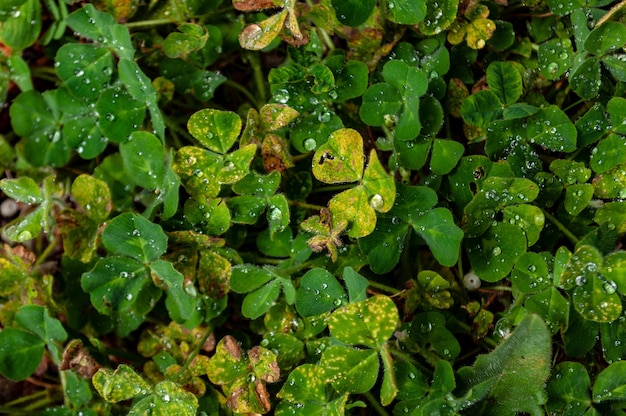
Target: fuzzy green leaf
515 371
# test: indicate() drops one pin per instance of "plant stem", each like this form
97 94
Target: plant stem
561 227
245 92
51 245
377 406
193 354
383 287
259 78
148 23
306 205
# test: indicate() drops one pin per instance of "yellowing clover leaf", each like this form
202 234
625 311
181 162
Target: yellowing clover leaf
341 160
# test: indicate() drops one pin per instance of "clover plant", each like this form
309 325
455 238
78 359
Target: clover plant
299 207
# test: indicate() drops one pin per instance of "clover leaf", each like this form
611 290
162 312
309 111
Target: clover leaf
397 100
413 209
243 376
335 162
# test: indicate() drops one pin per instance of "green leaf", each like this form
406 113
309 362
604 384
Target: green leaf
380 187
555 58
246 209
119 385
606 38
319 292
340 159
120 284
120 114
439 16
568 387
257 36
23 189
245 278
610 384
530 273
256 184
22 30
36 319
20 353
493 255
85 69
356 285
259 301
445 155
505 81
350 80
141 89
132 235
215 129
481 108
304 384
607 154
577 197
412 83
442 235
228 363
37 117
385 244
552 306
27 227
380 102
405 12
350 370
168 398
143 157
370 322
615 108
428 329
236 165
198 169
529 218
94 196
278 214
180 304
515 372
353 12
585 78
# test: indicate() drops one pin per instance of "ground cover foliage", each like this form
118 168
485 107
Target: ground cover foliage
313 207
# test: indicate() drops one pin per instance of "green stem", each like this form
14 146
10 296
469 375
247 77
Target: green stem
377 406
28 398
383 287
193 354
245 92
306 205
259 77
148 23
45 254
561 227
